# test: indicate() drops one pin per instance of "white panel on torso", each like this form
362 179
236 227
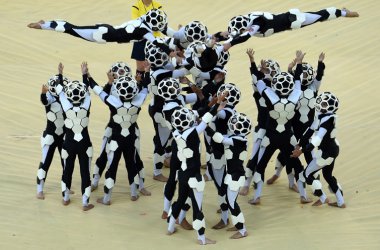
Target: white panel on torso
76 120
306 104
282 112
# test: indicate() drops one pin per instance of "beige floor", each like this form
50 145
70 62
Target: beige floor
30 57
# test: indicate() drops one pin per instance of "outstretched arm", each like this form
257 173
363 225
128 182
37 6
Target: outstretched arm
320 70
291 66
46 99
149 36
242 37
65 103
255 73
219 137
197 91
298 73
321 66
90 82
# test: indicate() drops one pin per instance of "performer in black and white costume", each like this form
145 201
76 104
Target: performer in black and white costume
125 138
161 68
203 57
263 24
217 156
281 100
325 149
305 110
209 90
235 150
271 68
201 78
190 181
209 82
169 89
118 69
194 31
135 30
52 137
76 102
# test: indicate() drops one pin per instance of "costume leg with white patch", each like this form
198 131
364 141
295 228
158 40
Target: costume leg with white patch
49 143
99 33
101 162
160 140
139 163
237 217
183 193
196 196
190 185
184 210
292 165
322 15
85 158
168 148
129 152
266 151
140 171
316 185
171 184
68 156
279 165
334 186
208 155
251 165
299 128
114 155
294 169
217 175
295 19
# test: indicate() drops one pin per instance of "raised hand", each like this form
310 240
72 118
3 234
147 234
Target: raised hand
250 52
84 68
60 68
299 56
222 100
296 153
45 89
213 101
110 77
197 91
222 97
291 65
321 57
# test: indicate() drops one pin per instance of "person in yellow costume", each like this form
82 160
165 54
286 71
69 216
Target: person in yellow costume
140 8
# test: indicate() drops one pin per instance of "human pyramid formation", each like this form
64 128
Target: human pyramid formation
292 117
